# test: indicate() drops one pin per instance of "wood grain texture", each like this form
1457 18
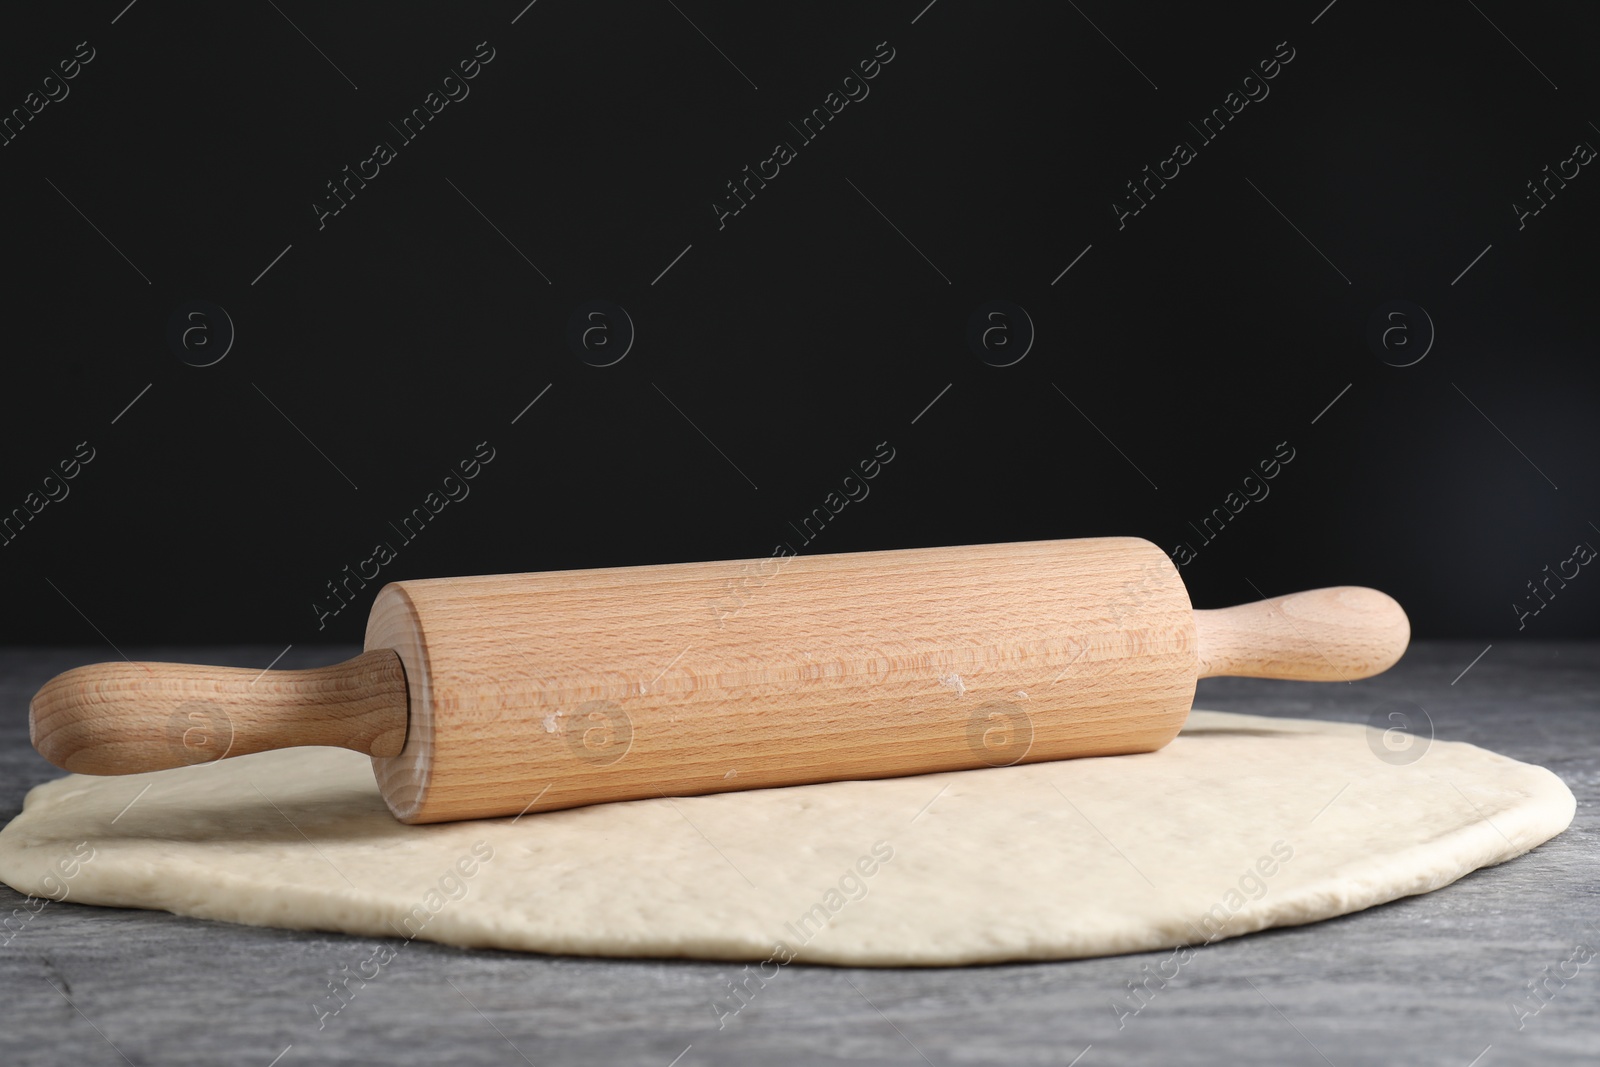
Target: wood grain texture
1322 635
541 691
123 718
538 691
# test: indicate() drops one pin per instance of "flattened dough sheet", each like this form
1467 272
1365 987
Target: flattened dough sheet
1241 823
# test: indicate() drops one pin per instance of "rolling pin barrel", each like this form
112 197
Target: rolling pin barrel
498 695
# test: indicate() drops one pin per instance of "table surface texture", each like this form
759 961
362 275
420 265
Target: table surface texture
1423 980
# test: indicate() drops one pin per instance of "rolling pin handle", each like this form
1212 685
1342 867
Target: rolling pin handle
1324 635
126 718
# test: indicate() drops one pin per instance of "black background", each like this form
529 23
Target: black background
1175 354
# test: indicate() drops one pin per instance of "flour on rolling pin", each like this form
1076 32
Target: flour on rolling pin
853 666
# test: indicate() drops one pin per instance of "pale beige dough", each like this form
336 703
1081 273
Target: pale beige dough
1241 823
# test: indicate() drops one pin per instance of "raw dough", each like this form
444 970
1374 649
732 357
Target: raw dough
1241 823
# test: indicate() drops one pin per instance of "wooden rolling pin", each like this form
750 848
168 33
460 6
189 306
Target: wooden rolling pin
501 694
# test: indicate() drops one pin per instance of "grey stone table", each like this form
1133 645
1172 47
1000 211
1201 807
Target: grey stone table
1425 980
